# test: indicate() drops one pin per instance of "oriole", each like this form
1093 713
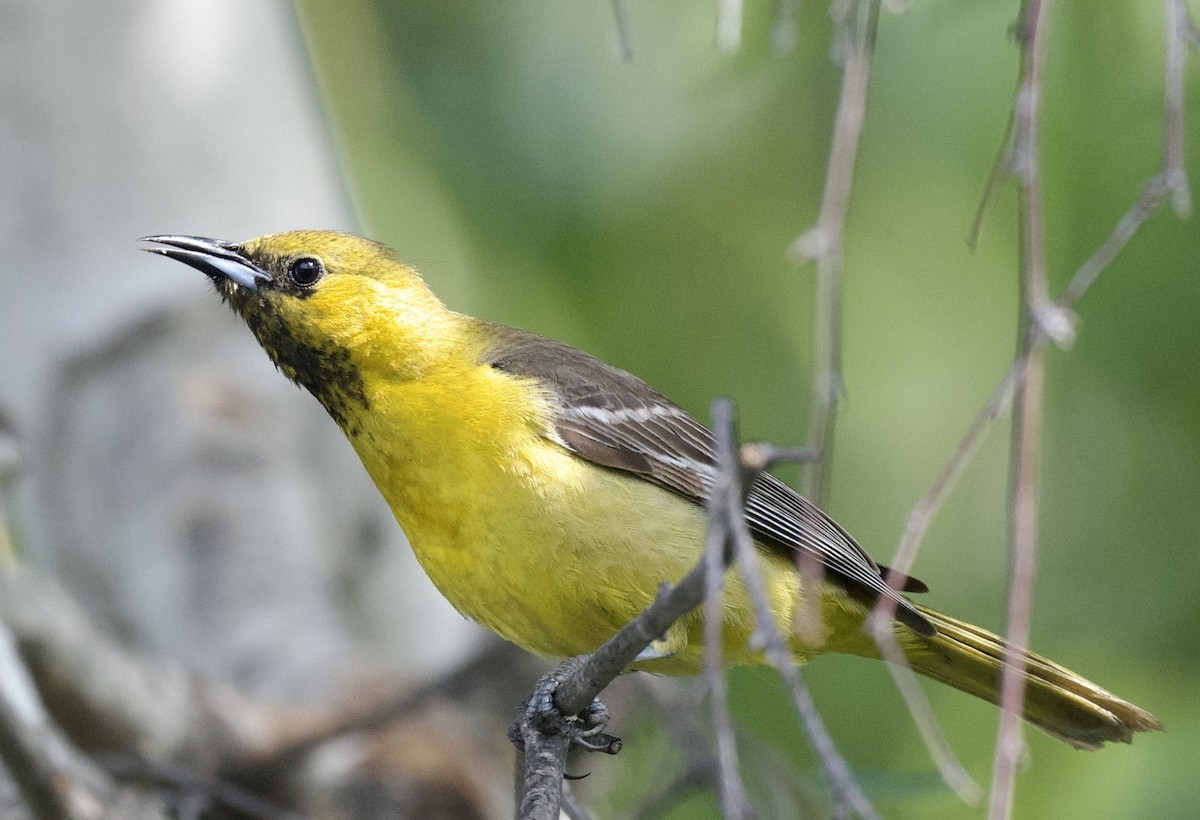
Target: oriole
548 494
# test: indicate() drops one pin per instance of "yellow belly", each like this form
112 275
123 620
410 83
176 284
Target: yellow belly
547 550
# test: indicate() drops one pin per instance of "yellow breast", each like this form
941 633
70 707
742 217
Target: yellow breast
544 548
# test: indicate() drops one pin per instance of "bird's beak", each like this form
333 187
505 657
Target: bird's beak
216 258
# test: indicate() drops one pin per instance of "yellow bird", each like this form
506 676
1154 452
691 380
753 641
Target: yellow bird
548 494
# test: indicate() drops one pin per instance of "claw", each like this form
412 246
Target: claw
585 730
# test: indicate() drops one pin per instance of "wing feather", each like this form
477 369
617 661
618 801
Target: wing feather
614 419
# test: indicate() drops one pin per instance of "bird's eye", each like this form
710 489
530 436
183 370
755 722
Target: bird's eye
305 271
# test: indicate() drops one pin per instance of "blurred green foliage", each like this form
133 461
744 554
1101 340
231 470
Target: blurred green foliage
642 210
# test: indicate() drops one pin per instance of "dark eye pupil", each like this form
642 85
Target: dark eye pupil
306 271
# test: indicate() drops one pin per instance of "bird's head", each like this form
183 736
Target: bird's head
330 309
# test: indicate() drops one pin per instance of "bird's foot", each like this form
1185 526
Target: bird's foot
585 729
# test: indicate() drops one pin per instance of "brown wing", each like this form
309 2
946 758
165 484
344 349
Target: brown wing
614 419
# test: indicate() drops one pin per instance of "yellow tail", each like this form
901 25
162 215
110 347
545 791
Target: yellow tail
1057 701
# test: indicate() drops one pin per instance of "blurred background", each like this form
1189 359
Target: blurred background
203 510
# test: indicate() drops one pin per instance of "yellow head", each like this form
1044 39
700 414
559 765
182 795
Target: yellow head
332 310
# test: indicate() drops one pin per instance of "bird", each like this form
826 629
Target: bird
548 494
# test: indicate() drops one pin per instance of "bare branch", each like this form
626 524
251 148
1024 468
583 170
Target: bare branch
724 512
1023 558
845 790
1039 312
996 177
1150 198
856 24
825 240
1055 322
923 513
542 777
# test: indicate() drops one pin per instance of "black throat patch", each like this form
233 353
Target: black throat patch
323 369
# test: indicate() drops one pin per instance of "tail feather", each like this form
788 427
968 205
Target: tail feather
1057 701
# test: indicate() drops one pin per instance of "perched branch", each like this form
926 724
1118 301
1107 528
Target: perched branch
581 681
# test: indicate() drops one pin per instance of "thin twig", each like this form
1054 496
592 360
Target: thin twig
1023 557
996 177
824 242
844 789
1037 311
724 512
1057 323
857 25
1148 201
922 514
952 772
